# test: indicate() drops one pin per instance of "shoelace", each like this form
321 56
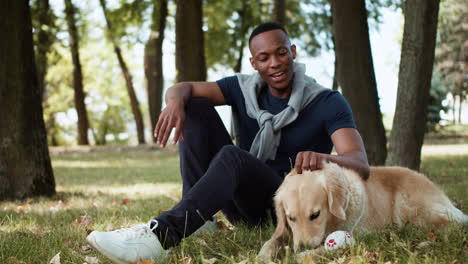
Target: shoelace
137 231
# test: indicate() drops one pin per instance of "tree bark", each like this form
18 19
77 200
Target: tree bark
44 42
79 95
140 127
355 72
460 106
279 11
414 81
153 61
244 27
190 53
25 167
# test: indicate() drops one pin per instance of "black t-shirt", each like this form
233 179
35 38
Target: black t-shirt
311 131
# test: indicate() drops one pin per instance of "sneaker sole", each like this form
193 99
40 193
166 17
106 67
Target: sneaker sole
91 240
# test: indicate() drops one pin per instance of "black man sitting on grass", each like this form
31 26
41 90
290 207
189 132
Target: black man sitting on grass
283 118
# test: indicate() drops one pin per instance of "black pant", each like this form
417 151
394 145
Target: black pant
216 175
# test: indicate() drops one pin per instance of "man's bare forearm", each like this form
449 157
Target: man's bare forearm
180 92
355 161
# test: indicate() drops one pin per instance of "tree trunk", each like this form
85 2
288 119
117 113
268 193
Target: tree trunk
279 11
355 72
128 80
153 61
454 107
243 13
25 168
44 42
190 53
335 73
83 123
414 81
460 106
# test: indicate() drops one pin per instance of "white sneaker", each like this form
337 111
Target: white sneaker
129 245
209 226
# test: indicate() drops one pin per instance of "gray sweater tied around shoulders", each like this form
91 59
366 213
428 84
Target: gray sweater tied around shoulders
267 140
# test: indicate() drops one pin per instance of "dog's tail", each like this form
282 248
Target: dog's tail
456 215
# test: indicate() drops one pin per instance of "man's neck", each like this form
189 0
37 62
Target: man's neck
281 93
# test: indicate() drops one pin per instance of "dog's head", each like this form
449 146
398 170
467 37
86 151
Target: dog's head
307 204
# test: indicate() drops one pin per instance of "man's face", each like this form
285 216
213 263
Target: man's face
272 56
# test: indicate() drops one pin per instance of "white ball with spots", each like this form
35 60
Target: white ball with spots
338 239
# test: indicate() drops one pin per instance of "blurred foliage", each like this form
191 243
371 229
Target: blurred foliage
452 48
308 24
128 18
227 25
438 93
106 97
43 19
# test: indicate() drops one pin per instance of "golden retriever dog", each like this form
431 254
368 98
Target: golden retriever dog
311 205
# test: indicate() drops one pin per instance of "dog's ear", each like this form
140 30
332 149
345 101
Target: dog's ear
337 193
281 225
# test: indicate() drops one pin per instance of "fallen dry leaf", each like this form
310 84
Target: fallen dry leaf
371 256
308 260
13 260
225 226
146 262
423 244
23 208
186 260
82 221
55 259
201 242
431 235
85 249
91 260
59 206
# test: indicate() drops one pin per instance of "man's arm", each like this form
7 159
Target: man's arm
173 115
350 154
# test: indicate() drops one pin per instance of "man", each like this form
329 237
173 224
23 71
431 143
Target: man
283 119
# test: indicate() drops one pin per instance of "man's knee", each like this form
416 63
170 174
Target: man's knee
198 105
230 152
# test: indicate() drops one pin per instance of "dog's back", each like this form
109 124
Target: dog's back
399 196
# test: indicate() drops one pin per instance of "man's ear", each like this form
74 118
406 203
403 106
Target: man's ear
252 62
293 51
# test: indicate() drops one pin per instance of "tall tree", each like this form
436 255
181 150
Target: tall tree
190 53
279 11
414 81
128 78
83 123
356 74
25 168
153 61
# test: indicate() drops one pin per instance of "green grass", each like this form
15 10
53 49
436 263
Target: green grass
117 189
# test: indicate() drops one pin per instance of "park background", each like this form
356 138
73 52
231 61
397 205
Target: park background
77 151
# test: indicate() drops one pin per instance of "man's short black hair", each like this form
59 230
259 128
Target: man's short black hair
264 28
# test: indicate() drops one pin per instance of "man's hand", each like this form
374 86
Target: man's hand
172 116
309 160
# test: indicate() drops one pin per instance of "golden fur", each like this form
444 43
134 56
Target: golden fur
313 204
